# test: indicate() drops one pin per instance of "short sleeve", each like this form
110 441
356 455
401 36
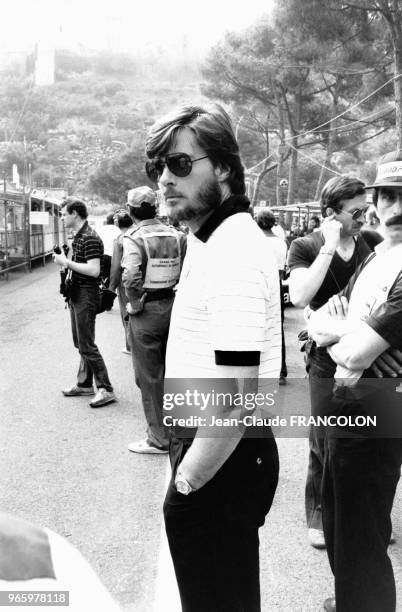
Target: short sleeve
387 319
300 254
237 309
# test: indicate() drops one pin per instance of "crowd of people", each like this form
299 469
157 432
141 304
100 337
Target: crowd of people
207 308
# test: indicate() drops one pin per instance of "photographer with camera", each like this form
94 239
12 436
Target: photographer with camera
82 288
64 273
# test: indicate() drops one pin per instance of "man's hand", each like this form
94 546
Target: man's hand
129 308
337 307
328 324
61 260
331 231
389 363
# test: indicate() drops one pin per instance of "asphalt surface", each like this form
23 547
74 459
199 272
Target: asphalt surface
66 466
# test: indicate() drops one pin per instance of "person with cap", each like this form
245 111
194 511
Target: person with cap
123 221
362 330
152 258
321 265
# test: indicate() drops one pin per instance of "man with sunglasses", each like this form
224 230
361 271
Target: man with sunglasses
151 262
224 334
321 264
362 465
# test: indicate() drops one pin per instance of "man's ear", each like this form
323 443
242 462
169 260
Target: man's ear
222 173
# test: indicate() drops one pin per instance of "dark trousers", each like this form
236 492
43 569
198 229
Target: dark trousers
321 370
106 265
123 314
284 369
83 308
213 532
149 331
360 478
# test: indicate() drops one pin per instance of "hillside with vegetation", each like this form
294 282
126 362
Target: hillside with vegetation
314 90
86 132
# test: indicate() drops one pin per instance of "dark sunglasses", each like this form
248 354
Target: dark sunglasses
390 194
357 213
179 164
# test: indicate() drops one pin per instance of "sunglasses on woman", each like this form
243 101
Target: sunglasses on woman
179 164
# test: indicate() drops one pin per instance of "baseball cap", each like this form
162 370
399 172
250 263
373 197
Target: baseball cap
389 171
140 195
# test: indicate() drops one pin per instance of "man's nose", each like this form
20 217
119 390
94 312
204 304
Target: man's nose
397 207
167 177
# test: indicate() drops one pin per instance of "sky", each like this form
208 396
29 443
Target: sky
125 25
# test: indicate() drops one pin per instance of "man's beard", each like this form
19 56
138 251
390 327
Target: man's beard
205 201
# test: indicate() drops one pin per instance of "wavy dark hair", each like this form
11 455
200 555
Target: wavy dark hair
213 131
122 218
266 219
339 188
71 203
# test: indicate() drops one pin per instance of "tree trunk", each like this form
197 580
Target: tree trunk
281 130
292 187
330 142
263 172
279 175
327 161
398 86
258 182
294 127
392 13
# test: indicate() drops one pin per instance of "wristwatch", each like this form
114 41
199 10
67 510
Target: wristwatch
182 486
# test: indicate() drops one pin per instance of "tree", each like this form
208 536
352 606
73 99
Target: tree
68 62
245 69
348 62
314 72
114 177
391 12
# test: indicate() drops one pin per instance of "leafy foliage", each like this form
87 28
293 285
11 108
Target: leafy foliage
311 71
86 132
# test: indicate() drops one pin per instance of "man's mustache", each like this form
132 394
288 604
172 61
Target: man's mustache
171 194
397 220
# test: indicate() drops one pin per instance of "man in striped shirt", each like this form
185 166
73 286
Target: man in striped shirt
225 327
84 272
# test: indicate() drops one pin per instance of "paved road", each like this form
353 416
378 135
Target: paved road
66 466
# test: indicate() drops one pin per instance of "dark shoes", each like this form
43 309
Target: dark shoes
75 390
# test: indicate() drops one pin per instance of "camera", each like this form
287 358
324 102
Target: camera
65 283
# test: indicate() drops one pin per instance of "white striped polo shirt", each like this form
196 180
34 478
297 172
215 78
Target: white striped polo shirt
227 301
